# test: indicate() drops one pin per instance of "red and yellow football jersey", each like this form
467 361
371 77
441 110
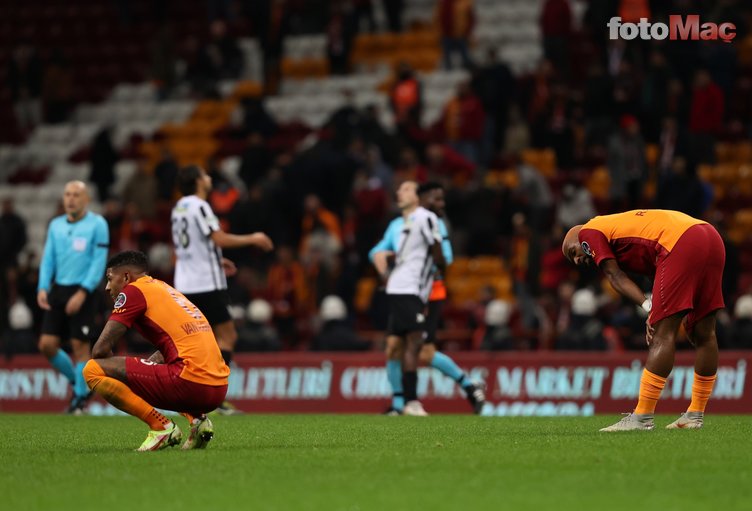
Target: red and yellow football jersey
175 326
636 239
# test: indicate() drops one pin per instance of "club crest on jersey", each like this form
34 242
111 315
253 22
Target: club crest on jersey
586 248
119 301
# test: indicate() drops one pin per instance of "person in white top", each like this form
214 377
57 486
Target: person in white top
409 285
200 270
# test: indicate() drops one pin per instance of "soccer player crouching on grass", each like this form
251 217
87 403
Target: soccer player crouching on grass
186 374
686 257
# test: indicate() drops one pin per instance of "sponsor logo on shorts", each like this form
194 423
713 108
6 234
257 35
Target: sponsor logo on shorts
120 301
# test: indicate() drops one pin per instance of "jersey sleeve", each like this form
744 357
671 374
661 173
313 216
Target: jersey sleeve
429 228
595 244
206 219
386 243
446 245
47 266
99 249
130 305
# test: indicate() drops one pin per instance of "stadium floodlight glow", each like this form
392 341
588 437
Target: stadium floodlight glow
688 29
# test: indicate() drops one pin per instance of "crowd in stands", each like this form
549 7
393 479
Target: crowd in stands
599 126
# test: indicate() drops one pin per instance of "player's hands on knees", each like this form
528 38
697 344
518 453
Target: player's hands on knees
75 302
262 241
649 332
42 301
229 267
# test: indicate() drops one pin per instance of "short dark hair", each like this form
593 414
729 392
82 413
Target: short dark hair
187 179
429 187
129 258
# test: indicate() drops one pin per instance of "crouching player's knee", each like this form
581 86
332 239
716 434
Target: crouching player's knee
93 373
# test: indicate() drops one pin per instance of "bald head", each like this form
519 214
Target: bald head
75 199
571 247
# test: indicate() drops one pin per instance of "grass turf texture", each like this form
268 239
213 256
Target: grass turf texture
292 462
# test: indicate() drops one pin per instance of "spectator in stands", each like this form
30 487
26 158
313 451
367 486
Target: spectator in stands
224 51
673 142
598 105
706 117
654 95
224 195
258 332
142 190
393 11
273 27
363 9
256 119
498 335
166 173
103 159
24 77
287 292
463 122
681 190
58 89
346 122
339 34
740 333
626 165
406 98
456 19
556 27
495 86
12 236
533 194
255 160
575 206
336 333
444 163
163 60
585 330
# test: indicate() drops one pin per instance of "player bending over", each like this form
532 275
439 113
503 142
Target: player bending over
186 373
685 256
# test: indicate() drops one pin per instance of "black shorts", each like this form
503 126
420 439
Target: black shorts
433 320
407 314
213 304
56 322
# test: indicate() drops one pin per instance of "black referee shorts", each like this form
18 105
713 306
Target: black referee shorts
214 305
56 322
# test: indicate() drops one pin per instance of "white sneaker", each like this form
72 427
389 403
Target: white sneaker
632 422
415 409
156 440
202 430
688 420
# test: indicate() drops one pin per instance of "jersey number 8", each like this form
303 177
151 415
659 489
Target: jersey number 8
180 232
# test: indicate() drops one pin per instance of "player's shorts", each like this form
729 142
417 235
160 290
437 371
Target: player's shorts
162 387
56 322
406 315
213 304
689 278
433 320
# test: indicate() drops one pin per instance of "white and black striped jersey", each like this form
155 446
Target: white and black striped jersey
413 264
198 268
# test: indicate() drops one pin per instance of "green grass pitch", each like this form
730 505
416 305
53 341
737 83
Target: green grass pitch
349 463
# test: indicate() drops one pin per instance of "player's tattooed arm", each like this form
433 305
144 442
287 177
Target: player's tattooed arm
157 357
112 332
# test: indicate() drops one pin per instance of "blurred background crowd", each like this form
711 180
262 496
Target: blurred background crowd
309 113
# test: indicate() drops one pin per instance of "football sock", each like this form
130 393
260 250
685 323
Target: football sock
121 397
80 388
63 363
227 356
702 387
448 367
410 384
651 386
394 375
